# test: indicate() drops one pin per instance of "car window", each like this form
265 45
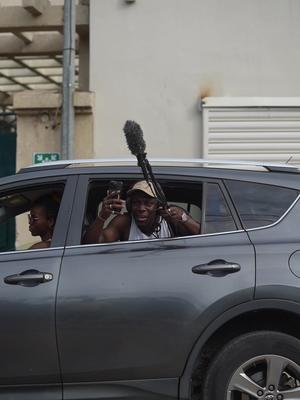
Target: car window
260 204
18 207
189 196
217 214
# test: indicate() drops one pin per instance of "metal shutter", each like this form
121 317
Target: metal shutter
260 129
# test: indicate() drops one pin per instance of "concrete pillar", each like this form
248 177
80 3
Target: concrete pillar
84 62
39 124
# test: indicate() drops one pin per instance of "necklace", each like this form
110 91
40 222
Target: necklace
157 229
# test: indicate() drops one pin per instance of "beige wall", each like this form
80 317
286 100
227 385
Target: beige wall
38 124
152 60
20 2
38 130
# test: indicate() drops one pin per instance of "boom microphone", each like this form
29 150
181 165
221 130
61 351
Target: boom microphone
137 146
134 138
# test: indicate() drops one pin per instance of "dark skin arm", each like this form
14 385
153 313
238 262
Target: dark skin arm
173 215
116 229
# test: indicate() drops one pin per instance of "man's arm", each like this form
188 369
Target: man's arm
182 223
116 230
96 233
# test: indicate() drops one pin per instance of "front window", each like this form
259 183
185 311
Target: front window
28 217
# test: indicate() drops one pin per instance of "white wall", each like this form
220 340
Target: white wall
152 60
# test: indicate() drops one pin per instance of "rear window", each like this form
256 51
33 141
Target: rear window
259 204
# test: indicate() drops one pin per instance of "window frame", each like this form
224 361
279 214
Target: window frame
228 202
63 218
81 196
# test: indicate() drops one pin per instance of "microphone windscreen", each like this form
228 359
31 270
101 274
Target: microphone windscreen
134 138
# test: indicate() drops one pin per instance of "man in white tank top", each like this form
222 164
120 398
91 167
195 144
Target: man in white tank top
144 220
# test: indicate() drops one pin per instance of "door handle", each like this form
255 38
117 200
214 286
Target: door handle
30 277
216 268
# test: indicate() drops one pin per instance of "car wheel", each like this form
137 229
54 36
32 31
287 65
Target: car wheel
260 365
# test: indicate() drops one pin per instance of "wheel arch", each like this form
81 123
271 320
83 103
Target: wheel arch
247 317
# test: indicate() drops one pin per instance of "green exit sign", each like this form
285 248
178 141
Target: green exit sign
45 157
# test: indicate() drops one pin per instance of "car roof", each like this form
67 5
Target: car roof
223 169
197 162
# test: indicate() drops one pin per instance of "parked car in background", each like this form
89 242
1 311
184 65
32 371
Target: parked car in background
213 316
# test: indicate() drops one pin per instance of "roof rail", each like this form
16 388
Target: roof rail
190 161
67 163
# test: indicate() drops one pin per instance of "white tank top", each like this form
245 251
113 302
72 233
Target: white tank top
136 234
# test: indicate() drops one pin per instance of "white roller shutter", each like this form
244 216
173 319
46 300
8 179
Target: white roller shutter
262 129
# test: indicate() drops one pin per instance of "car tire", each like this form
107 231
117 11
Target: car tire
261 365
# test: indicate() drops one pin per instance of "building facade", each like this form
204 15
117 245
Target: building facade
203 78
155 61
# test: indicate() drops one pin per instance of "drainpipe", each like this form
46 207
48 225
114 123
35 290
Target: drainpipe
67 133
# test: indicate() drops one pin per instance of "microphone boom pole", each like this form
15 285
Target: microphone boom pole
137 146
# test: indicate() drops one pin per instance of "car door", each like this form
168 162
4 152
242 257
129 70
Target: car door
29 367
129 313
270 213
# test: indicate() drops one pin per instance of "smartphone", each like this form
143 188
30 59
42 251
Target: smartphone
115 186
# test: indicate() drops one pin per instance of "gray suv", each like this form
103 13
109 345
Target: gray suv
213 316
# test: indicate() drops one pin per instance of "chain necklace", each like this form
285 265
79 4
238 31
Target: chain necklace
157 229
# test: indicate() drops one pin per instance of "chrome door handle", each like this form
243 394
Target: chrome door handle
216 268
